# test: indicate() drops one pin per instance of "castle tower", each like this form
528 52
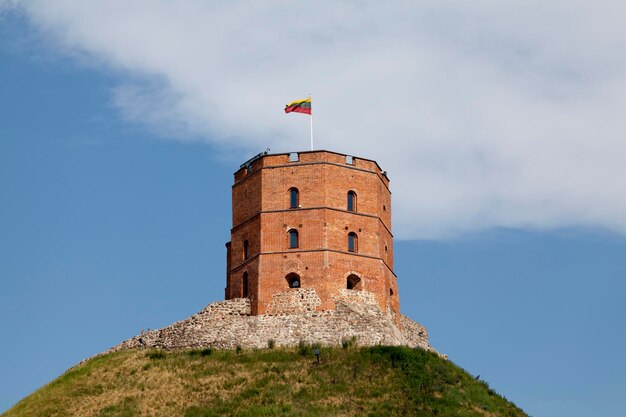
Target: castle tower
315 220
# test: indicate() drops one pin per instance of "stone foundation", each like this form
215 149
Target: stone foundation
228 324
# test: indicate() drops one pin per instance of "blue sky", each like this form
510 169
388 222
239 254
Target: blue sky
115 211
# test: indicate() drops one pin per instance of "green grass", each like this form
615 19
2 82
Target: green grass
367 381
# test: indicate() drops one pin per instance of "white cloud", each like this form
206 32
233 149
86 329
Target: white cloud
486 114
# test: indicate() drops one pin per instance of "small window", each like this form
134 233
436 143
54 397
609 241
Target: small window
294 198
294 157
353 282
244 285
293 239
390 292
246 250
293 280
349 160
353 241
351 201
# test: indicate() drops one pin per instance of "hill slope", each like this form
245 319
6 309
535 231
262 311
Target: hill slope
374 381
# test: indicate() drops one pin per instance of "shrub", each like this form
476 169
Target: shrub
271 343
201 352
158 354
348 343
238 349
304 348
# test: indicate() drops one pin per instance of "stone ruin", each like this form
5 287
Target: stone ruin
292 319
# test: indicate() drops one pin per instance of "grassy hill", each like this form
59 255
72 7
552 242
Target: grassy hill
368 381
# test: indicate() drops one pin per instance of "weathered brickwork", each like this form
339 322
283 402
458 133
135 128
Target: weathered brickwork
228 324
263 217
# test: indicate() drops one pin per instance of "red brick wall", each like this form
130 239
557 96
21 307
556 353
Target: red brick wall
262 215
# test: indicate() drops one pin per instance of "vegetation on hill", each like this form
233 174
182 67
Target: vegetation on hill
368 381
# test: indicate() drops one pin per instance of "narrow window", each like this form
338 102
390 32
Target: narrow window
294 198
293 280
351 201
293 239
353 241
353 282
244 285
246 250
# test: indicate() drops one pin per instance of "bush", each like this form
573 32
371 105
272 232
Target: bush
201 352
238 349
304 348
348 343
158 354
271 343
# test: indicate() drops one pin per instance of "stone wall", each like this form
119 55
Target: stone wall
295 300
414 333
228 324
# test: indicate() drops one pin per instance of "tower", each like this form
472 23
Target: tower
316 221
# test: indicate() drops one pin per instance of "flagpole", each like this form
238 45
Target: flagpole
311 130
311 114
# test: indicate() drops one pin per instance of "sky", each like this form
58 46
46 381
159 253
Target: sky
501 127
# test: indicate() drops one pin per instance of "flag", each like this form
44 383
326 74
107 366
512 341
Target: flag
299 106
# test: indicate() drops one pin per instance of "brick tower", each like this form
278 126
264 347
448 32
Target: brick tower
315 220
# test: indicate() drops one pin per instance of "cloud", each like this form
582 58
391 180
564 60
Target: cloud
486 114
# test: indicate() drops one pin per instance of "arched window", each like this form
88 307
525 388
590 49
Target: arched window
244 285
351 201
294 198
293 280
246 250
353 282
353 242
293 239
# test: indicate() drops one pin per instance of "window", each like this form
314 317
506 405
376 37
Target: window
353 282
244 285
294 157
353 242
349 160
293 280
351 201
293 239
246 250
294 198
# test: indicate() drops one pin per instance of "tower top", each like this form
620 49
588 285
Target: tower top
265 159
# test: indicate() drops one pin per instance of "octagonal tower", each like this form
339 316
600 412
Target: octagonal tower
314 220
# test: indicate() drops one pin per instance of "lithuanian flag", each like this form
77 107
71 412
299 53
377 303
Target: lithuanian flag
299 106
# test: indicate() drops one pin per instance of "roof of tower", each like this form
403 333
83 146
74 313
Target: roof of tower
267 153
